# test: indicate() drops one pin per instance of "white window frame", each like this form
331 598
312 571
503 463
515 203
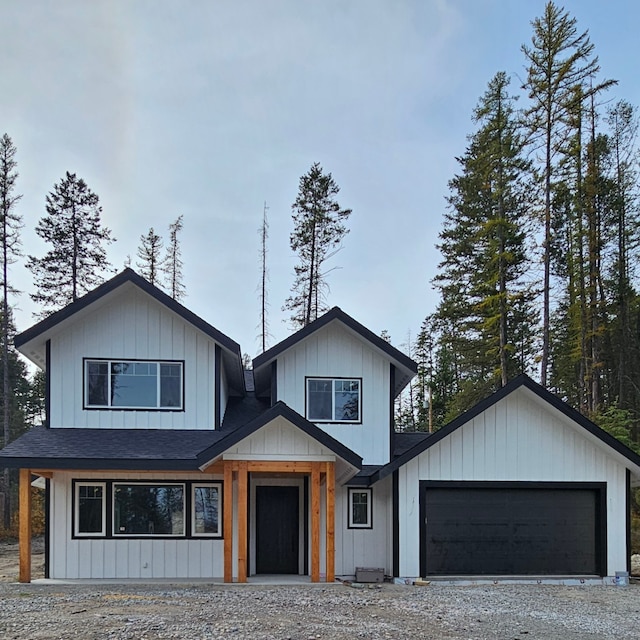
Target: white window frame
351 491
109 406
208 485
76 496
333 400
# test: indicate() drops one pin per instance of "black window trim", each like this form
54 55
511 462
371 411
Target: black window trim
109 506
88 407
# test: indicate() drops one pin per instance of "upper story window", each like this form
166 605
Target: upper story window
334 400
133 384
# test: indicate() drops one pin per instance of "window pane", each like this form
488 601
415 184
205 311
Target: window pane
90 509
206 510
170 385
347 400
133 385
359 507
148 510
97 384
319 399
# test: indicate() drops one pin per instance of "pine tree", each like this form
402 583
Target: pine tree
77 260
559 60
318 233
172 264
149 252
10 225
483 244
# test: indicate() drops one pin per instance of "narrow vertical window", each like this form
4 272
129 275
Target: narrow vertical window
206 500
90 509
360 509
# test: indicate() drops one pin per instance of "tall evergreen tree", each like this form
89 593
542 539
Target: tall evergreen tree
559 59
318 232
10 225
150 254
172 264
77 260
484 251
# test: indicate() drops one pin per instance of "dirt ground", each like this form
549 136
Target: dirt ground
9 560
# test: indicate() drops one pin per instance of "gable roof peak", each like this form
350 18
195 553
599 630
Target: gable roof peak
38 334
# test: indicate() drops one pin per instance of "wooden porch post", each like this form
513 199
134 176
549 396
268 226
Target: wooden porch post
24 534
331 527
242 521
315 521
228 521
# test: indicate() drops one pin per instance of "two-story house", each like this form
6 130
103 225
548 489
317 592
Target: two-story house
163 458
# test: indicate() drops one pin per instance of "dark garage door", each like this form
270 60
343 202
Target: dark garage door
511 529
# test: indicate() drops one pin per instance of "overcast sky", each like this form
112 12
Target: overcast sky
211 108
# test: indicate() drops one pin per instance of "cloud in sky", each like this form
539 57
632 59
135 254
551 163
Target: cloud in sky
211 108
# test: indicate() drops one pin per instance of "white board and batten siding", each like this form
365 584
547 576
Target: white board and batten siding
365 547
335 352
521 439
132 326
126 558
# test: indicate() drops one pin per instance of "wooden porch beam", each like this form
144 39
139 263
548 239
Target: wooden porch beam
228 522
276 466
24 533
315 522
330 518
242 521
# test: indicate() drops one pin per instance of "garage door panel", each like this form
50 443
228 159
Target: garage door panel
511 530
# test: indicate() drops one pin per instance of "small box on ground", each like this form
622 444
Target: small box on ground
367 574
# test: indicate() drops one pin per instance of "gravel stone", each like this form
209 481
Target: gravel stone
314 612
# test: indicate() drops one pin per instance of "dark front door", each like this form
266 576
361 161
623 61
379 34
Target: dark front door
277 529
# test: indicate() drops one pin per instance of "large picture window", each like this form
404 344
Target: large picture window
133 384
333 400
146 509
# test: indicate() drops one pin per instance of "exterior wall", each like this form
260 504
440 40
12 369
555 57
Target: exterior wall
334 352
520 438
279 440
365 547
135 558
132 325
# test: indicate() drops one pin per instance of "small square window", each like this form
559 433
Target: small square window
333 400
360 509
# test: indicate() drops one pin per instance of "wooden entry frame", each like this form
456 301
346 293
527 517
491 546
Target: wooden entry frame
316 470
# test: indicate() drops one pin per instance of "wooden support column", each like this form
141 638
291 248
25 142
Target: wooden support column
228 521
242 521
330 518
24 534
315 521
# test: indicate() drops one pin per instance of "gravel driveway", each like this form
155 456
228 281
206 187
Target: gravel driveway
305 612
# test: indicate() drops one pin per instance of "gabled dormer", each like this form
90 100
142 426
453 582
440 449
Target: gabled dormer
127 355
342 377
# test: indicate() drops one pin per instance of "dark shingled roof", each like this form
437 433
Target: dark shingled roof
109 448
240 411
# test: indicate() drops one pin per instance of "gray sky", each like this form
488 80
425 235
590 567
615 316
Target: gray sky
209 109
